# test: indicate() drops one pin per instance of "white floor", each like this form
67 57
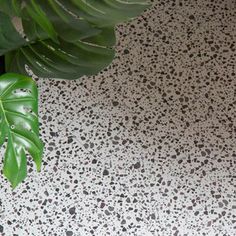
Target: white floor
148 146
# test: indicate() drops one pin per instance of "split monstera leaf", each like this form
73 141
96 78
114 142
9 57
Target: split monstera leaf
63 39
19 125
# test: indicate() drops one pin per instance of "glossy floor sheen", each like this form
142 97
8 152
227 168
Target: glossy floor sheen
148 146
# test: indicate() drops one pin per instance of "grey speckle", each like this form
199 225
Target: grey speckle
105 172
72 210
69 233
115 103
137 165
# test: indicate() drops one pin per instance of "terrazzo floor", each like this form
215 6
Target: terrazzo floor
148 146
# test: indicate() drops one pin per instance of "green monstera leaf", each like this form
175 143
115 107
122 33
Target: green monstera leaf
55 39
62 38
19 125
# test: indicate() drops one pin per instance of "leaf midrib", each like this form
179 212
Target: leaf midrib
8 130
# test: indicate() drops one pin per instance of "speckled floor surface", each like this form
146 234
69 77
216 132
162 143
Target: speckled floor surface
148 146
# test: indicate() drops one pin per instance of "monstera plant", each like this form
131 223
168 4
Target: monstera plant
63 39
